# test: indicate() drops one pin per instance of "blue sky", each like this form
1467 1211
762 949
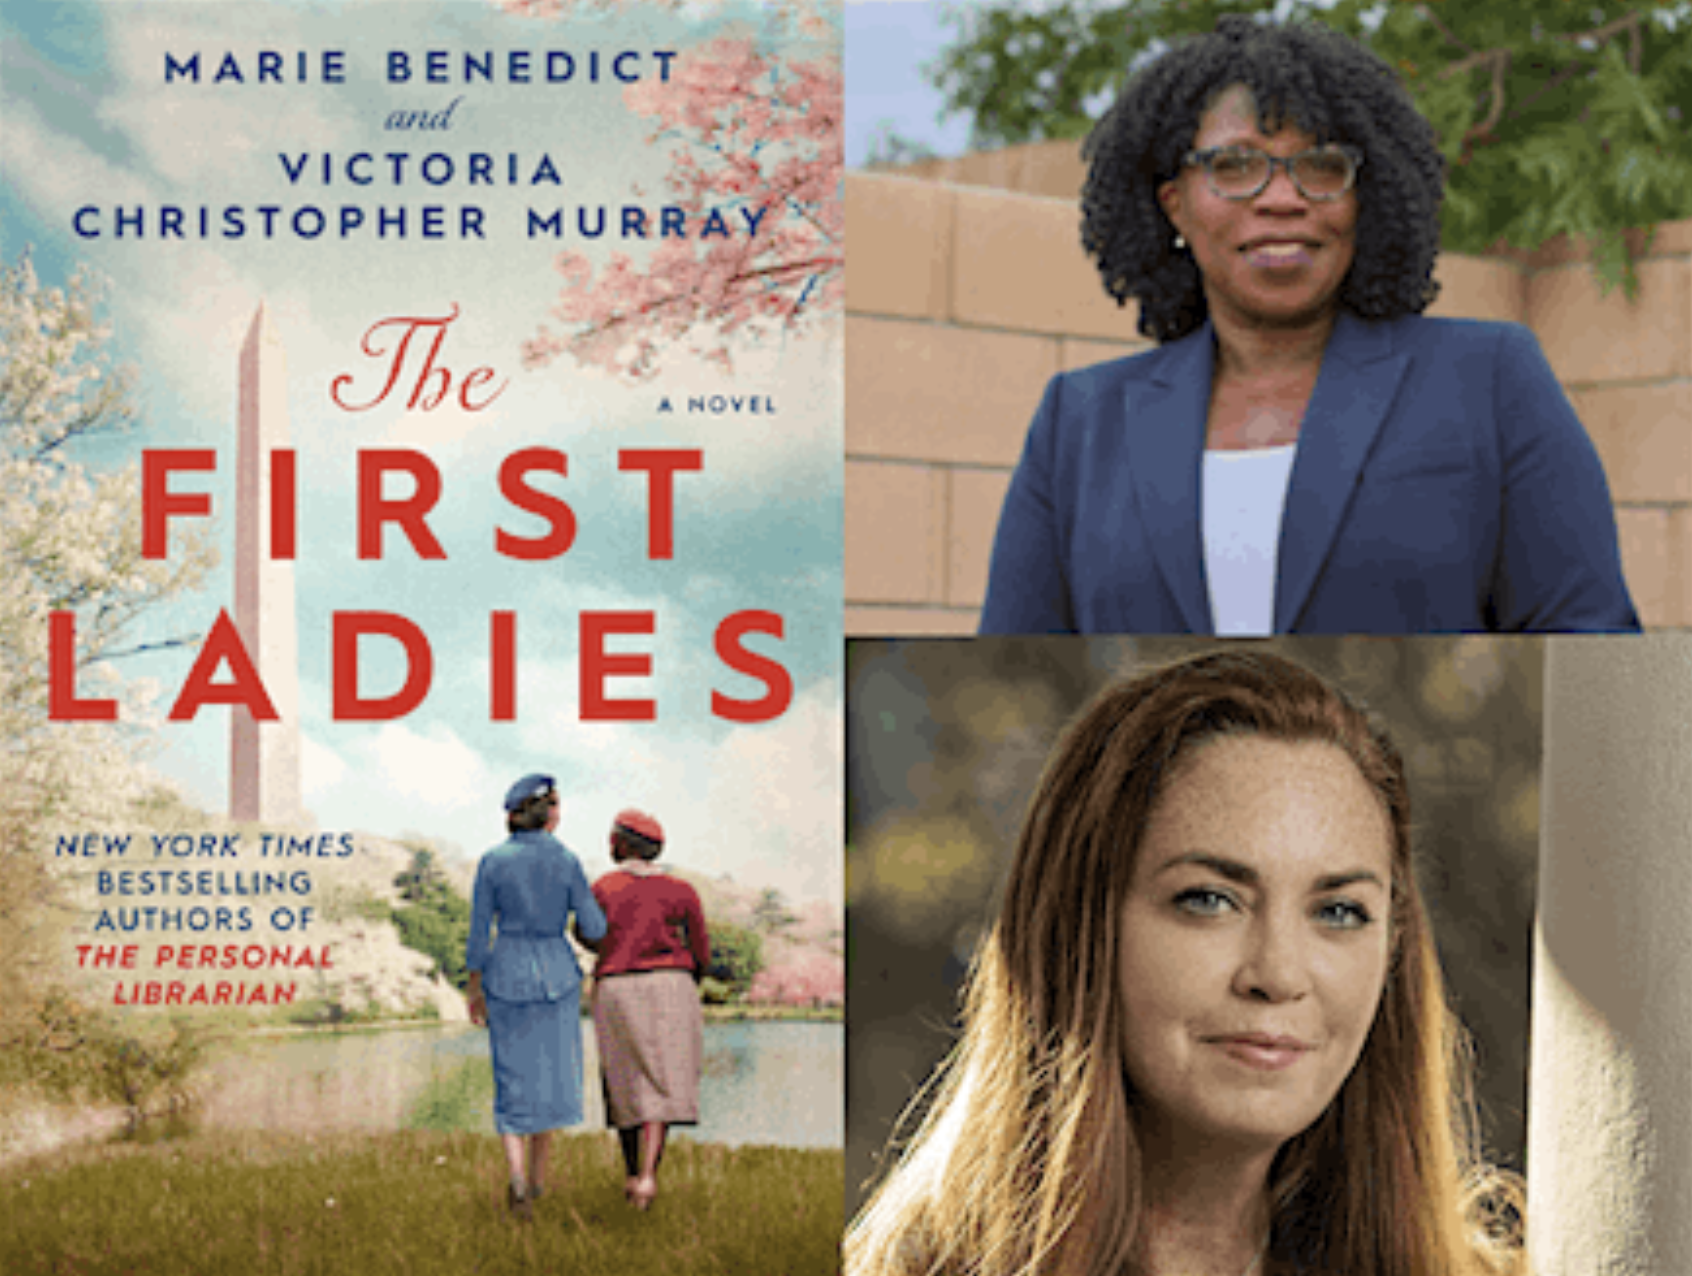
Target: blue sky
90 121
887 44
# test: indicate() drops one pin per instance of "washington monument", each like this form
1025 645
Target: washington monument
264 758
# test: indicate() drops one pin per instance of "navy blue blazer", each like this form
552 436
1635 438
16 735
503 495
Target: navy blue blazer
1442 482
526 890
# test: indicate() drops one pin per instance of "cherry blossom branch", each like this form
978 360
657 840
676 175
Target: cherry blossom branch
774 149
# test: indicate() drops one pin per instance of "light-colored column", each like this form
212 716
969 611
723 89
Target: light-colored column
1610 1092
264 773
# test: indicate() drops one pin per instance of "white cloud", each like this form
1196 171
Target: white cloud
432 768
396 777
55 171
321 768
762 806
446 425
181 140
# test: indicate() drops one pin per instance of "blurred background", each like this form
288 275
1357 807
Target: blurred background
945 741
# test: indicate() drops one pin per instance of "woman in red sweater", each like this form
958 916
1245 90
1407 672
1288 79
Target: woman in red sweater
646 1002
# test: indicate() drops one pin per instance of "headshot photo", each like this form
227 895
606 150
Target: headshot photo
1182 957
1204 361
1273 957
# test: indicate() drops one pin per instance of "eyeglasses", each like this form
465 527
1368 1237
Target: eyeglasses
1241 172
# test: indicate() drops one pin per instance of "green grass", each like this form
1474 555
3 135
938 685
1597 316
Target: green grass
741 1012
453 1099
247 1204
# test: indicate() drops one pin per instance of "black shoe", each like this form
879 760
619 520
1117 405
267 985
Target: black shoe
518 1204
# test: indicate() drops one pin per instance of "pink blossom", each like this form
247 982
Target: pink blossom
755 136
810 979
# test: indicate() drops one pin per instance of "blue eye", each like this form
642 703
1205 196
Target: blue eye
1202 901
1343 914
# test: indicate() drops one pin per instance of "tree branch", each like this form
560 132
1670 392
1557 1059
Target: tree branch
1499 60
1556 82
166 644
814 266
1500 66
1428 13
1627 22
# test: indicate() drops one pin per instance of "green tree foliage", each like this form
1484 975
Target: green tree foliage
437 927
423 876
771 913
737 955
435 919
1554 116
143 1064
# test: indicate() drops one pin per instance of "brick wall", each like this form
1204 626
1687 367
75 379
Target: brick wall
963 299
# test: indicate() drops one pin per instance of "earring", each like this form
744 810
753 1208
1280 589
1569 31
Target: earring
1180 242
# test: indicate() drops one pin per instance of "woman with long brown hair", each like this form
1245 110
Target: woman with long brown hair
1207 1035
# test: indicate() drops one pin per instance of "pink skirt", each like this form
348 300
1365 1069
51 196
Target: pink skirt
651 1039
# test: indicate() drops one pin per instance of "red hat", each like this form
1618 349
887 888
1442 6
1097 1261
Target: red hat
640 823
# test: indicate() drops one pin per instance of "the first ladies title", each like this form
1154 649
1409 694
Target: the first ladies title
410 370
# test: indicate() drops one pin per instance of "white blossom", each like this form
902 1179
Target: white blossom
70 540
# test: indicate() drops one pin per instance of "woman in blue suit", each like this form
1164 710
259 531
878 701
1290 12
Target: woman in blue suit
525 984
1305 451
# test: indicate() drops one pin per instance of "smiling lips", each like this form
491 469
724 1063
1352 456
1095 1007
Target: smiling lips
1271 253
1263 1051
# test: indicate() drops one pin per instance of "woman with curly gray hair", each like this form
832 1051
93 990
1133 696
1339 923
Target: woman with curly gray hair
1305 450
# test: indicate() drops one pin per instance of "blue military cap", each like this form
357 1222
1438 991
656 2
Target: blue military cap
530 786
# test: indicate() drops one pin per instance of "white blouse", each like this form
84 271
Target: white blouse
1241 499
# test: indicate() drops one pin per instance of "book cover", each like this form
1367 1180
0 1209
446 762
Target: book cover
398 399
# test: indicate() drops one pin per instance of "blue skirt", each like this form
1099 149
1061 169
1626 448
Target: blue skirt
537 1064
